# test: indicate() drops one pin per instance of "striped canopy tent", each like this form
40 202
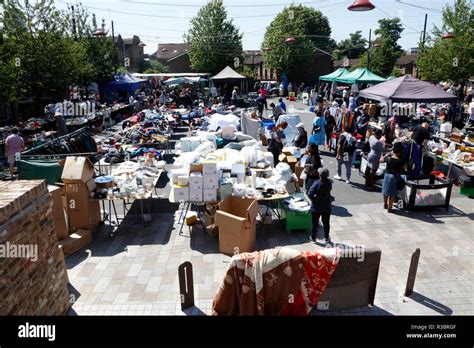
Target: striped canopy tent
360 75
335 74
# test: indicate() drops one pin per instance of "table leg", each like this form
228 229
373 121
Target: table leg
141 208
183 217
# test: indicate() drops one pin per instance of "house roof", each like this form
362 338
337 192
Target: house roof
340 63
168 51
407 59
128 40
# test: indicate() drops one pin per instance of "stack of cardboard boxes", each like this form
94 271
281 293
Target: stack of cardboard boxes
287 157
83 212
200 185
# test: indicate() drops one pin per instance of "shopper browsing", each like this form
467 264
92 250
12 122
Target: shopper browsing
320 195
13 145
345 154
392 180
373 158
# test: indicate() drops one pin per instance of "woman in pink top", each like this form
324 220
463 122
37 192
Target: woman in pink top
13 144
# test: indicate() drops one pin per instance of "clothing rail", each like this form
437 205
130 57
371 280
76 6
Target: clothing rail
22 156
55 140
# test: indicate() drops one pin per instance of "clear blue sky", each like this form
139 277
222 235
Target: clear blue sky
165 21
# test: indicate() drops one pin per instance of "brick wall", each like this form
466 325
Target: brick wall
29 287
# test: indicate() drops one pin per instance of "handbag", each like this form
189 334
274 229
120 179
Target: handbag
400 183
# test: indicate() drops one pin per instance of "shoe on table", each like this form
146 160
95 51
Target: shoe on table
337 177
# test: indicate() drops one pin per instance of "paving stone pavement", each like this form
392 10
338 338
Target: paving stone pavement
135 273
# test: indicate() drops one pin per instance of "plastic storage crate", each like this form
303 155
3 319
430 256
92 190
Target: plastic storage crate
297 220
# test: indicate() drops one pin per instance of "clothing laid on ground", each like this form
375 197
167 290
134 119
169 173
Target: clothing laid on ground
392 172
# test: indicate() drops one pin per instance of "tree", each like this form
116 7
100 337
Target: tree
312 33
384 56
353 47
155 67
215 41
450 59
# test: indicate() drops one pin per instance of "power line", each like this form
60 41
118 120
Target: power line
227 6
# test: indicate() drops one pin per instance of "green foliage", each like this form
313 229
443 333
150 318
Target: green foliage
450 59
41 54
384 57
310 29
215 41
353 47
155 67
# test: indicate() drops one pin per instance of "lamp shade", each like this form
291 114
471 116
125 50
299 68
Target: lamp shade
447 36
361 5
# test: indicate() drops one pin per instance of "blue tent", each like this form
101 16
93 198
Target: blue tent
122 85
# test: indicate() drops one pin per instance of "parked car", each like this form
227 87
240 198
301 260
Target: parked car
273 88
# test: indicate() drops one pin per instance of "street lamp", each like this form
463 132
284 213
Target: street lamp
361 5
99 33
141 44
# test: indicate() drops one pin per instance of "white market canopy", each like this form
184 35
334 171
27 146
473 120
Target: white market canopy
228 74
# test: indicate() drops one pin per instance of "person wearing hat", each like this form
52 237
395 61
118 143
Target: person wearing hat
301 137
61 123
320 195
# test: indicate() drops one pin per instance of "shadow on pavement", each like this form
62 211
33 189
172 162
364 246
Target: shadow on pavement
431 304
340 211
359 311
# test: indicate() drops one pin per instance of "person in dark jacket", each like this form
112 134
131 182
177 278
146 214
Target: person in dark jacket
301 137
320 195
312 164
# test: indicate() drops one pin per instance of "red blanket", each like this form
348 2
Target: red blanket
279 281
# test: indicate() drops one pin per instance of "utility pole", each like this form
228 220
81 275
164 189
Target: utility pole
115 53
370 47
422 40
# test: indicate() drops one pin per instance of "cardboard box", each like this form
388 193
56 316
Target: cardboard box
58 213
75 241
292 162
236 219
282 158
85 216
180 193
209 195
196 181
287 152
209 168
208 219
211 208
195 168
210 181
77 170
191 218
195 194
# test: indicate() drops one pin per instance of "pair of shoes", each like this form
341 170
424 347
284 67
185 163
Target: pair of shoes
385 206
348 181
337 177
